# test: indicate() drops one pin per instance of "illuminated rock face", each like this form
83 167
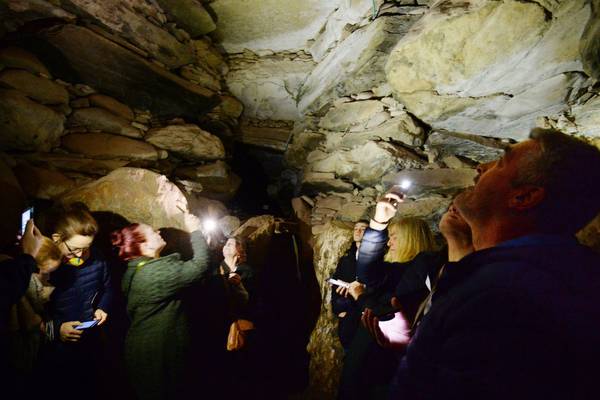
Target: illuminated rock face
138 195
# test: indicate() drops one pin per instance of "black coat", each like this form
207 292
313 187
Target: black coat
509 323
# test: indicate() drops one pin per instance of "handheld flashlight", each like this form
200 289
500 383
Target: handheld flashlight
209 224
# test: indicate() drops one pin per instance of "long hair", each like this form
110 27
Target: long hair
412 237
48 251
128 242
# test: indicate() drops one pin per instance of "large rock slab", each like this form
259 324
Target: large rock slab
42 183
124 17
27 125
124 75
97 119
452 72
74 163
187 141
41 89
268 86
348 115
158 202
107 146
217 181
587 117
355 65
112 105
15 57
441 180
269 24
452 144
189 15
365 165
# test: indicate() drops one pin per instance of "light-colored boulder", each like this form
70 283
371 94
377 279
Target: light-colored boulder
38 88
216 180
587 117
190 15
42 183
217 169
365 165
111 104
201 76
302 143
268 86
107 146
158 202
207 54
97 119
27 125
317 182
187 141
15 57
348 115
355 65
452 72
269 24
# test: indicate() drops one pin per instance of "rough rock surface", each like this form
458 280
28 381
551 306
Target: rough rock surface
474 148
269 25
74 163
107 146
115 75
187 141
268 86
442 180
38 88
452 72
158 202
42 183
587 117
15 57
112 105
27 125
356 65
95 119
190 15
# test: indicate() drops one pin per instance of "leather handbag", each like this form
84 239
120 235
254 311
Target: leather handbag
237 334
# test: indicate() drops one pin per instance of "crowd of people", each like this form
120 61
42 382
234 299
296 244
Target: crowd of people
508 307
193 325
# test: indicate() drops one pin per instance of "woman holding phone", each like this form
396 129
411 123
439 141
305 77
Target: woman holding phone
158 339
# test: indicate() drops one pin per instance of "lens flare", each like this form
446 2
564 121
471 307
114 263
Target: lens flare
405 184
209 224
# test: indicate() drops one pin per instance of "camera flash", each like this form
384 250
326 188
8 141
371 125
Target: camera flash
210 224
405 184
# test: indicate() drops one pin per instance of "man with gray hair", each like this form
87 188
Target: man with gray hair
519 318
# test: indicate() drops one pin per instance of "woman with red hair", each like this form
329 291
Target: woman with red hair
158 338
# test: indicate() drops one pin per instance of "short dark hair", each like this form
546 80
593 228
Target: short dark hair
568 169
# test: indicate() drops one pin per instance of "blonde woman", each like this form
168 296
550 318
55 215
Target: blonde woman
407 238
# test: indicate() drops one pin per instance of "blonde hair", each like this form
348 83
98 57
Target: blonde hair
49 251
412 237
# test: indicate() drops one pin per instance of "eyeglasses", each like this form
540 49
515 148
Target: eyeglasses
74 251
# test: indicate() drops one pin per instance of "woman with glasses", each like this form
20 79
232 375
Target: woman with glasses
82 293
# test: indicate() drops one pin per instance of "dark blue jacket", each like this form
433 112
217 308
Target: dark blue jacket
346 271
80 290
509 322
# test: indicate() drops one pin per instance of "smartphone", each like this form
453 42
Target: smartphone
338 282
86 325
25 217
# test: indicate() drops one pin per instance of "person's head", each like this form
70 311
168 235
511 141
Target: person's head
407 238
74 230
137 240
359 231
235 246
547 184
49 256
453 226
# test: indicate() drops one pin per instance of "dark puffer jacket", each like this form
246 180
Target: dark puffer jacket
518 321
80 290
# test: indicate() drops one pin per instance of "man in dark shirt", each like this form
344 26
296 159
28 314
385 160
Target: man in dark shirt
519 318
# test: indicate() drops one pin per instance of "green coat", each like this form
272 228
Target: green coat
158 337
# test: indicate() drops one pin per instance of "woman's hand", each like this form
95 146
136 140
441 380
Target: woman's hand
356 289
101 316
342 291
68 333
386 207
234 278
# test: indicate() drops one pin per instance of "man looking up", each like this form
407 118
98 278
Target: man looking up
520 317
342 303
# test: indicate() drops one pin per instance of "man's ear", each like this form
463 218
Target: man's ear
526 197
55 237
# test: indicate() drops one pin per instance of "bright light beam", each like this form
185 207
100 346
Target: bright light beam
209 224
405 184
